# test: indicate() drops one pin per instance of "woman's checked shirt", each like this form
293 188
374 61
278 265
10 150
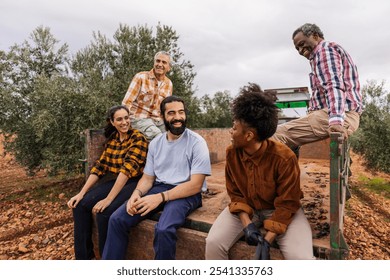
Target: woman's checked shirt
128 156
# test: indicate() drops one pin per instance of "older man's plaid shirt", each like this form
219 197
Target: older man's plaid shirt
145 94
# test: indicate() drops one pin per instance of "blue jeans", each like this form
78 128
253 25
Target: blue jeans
174 213
82 215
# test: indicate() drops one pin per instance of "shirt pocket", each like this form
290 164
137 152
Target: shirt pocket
268 191
146 97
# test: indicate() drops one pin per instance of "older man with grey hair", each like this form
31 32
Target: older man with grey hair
336 101
145 93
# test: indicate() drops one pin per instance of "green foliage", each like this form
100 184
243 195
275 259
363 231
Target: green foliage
64 111
377 185
47 98
108 66
372 139
215 112
27 61
21 68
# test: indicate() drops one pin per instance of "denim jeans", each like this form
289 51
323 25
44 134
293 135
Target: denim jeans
82 216
174 213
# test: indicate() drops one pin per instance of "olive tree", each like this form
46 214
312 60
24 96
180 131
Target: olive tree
48 98
39 57
372 139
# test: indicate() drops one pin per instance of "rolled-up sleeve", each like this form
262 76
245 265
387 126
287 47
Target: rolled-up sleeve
100 166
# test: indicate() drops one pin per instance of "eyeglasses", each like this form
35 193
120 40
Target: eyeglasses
121 119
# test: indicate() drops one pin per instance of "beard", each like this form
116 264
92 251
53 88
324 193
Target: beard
175 130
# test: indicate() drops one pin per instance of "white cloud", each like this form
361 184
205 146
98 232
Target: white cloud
229 42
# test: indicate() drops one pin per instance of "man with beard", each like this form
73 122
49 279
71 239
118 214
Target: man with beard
176 167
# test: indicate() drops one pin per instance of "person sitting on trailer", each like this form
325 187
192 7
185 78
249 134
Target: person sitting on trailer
336 100
263 183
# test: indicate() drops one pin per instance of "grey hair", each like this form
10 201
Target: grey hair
309 29
163 53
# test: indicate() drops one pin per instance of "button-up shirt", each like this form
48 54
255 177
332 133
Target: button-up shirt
127 157
334 82
267 180
145 94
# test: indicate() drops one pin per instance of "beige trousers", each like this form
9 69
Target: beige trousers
295 244
312 127
148 127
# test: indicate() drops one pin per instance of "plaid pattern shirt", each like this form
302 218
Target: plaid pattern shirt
334 82
144 95
128 157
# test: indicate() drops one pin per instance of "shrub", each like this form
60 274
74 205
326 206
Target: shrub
372 139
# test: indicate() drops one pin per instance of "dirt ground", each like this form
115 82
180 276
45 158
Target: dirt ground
39 227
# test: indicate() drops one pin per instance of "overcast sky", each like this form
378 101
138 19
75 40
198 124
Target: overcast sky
230 42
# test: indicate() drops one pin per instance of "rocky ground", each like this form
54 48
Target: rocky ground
367 219
36 224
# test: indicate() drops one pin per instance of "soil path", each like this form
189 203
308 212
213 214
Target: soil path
41 229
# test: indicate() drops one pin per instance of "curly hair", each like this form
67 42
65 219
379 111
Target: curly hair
257 109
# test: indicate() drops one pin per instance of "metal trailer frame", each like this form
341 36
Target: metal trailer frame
339 193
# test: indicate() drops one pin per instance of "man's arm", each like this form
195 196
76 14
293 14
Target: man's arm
191 187
150 202
132 91
329 71
133 205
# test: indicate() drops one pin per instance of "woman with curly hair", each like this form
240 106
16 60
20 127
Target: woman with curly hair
263 183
